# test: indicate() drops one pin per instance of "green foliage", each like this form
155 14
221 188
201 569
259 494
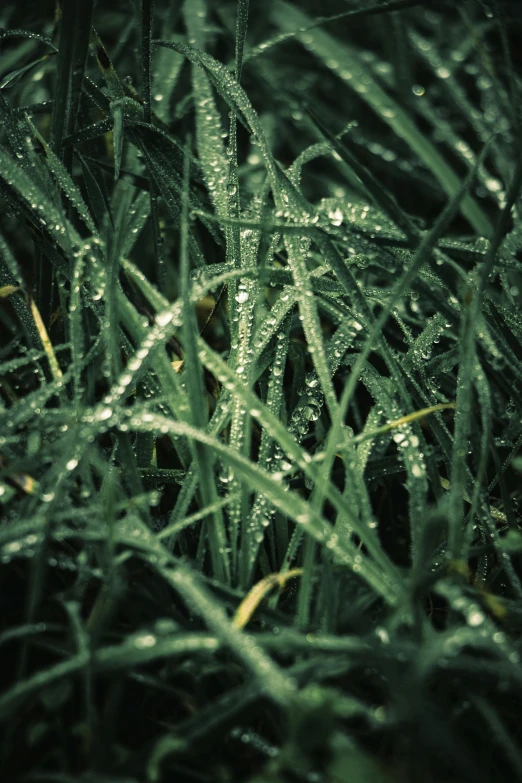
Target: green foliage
261 391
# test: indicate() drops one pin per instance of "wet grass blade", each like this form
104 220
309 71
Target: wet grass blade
73 46
196 395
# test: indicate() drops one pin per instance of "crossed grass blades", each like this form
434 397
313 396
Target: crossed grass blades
261 386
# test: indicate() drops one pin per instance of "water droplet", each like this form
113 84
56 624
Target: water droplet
336 216
312 381
226 476
475 618
144 641
383 635
311 412
164 318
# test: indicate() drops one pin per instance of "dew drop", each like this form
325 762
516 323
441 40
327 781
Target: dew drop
144 641
311 412
163 318
241 296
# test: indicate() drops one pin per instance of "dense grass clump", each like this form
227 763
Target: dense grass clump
261 391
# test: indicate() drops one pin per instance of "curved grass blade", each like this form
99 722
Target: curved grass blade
382 579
